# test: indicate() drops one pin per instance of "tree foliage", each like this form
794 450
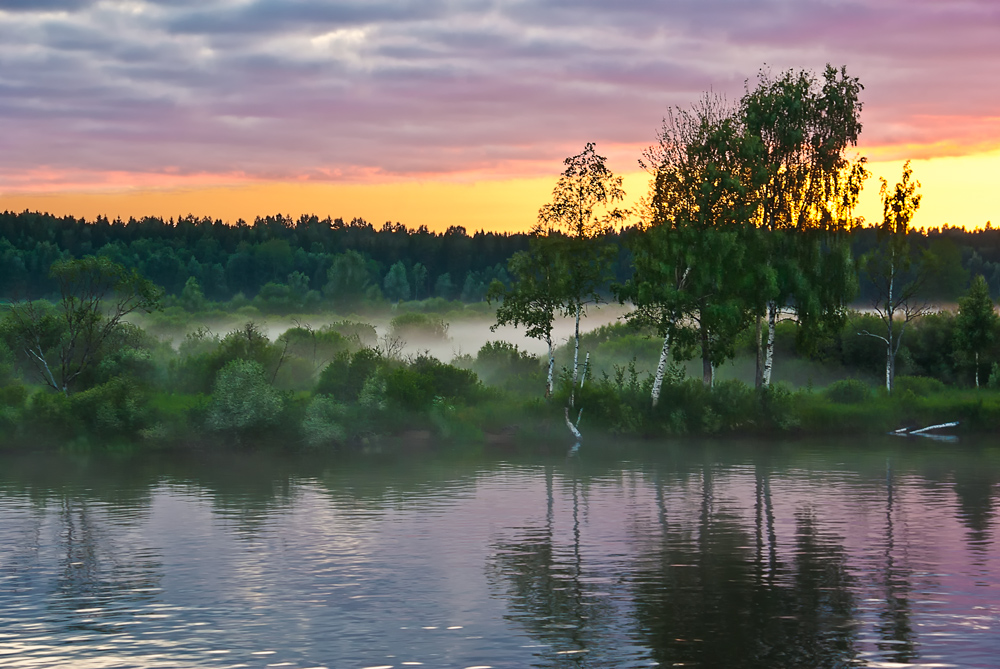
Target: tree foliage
977 321
691 278
898 278
95 295
807 189
243 399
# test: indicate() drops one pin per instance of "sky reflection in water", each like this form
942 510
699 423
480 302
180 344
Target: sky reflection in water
709 555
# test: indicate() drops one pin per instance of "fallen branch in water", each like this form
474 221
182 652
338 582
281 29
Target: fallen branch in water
926 432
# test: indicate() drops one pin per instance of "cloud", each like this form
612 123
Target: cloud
382 89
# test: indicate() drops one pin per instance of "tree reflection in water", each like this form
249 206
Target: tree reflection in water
704 590
568 611
713 596
975 486
706 598
895 629
96 575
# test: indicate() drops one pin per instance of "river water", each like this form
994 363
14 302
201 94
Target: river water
873 553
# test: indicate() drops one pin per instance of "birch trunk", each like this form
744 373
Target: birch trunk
977 369
888 369
772 320
661 370
552 364
574 429
759 368
707 372
890 310
576 357
890 356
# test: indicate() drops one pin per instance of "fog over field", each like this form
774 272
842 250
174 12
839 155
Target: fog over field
466 335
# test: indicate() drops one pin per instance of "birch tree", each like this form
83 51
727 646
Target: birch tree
976 322
690 280
807 186
658 293
898 280
583 209
536 295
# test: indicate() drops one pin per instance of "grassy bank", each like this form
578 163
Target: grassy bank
341 386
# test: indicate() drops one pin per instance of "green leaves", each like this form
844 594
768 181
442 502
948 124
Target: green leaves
96 294
243 399
977 322
586 186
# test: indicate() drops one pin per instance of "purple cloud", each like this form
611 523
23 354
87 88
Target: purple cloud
340 90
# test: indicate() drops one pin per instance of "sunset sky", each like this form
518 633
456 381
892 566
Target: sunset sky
454 112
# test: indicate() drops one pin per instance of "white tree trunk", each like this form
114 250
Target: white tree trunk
661 370
576 357
758 377
888 367
552 364
51 379
977 369
772 319
574 429
890 310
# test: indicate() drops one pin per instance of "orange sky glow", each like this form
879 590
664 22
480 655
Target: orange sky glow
958 191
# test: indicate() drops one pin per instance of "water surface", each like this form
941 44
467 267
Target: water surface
697 554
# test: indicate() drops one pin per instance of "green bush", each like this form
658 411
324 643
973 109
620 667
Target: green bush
499 362
242 399
848 391
324 422
203 355
50 414
418 326
344 378
921 386
415 387
117 407
13 394
994 380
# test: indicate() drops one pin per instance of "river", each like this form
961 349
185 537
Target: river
875 553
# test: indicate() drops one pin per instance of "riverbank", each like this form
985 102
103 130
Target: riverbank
405 411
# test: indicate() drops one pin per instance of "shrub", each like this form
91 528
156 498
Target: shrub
994 380
921 386
416 386
499 360
776 408
323 423
203 355
117 407
242 399
344 378
409 388
418 326
848 391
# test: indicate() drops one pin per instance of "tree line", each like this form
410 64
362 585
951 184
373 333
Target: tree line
309 263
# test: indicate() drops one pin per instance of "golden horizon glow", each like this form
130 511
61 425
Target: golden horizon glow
956 191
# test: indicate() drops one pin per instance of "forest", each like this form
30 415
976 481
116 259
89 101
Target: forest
752 300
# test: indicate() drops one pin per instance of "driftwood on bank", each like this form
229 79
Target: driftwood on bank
928 432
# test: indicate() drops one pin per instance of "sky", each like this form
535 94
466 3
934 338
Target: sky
455 112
